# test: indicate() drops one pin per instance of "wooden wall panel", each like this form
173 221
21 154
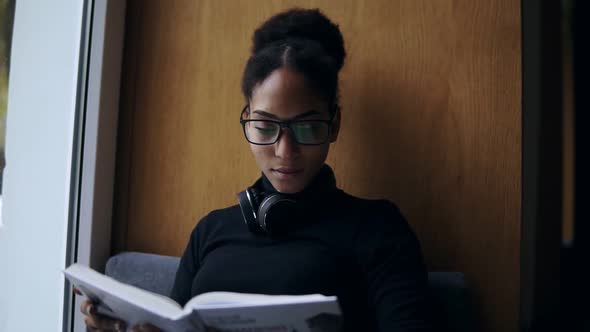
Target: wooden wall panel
431 99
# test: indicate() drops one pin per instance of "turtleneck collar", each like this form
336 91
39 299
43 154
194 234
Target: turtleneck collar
324 183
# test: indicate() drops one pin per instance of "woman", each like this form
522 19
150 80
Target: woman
294 231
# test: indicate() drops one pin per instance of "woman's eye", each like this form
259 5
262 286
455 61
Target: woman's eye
265 129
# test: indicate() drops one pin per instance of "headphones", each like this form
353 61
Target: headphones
271 214
274 213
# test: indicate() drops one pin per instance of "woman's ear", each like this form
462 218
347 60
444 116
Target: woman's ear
335 126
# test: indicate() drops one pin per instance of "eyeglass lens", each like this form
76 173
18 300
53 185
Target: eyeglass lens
304 132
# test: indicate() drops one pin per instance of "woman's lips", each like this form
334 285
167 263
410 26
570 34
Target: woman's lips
287 172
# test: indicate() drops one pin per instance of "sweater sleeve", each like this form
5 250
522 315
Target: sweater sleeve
395 274
187 269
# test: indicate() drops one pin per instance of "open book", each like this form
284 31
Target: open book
224 311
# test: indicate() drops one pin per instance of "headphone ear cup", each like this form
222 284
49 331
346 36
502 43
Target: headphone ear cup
249 209
276 213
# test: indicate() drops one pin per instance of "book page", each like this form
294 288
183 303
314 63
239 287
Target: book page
230 299
324 315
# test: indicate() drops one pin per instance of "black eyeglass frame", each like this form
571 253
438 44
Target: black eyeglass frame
287 124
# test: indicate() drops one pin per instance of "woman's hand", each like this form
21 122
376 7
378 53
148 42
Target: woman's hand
96 322
99 323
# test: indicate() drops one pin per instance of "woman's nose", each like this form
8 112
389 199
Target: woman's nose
286 147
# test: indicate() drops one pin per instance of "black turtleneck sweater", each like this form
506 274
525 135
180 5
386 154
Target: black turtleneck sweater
362 251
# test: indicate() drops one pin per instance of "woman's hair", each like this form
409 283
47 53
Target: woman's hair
303 40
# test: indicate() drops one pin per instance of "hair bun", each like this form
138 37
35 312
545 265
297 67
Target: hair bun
307 24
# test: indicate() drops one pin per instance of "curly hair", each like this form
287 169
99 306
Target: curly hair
303 40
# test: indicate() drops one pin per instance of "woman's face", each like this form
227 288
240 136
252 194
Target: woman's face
285 95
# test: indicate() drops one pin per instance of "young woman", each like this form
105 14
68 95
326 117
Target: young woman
294 231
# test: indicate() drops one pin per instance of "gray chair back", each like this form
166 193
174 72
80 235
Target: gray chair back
151 272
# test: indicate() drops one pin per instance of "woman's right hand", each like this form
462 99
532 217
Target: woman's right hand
97 322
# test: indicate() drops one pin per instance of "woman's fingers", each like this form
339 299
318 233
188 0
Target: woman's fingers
98 322
87 307
103 323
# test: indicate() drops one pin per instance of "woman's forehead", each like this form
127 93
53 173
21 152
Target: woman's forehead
289 110
285 86
285 94
310 114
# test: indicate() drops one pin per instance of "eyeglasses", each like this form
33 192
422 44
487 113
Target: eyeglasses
268 132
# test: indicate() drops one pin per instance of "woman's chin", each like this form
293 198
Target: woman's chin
288 183
288 188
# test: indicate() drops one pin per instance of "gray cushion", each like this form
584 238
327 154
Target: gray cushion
147 271
450 294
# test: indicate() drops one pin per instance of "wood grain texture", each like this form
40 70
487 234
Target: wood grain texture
431 99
